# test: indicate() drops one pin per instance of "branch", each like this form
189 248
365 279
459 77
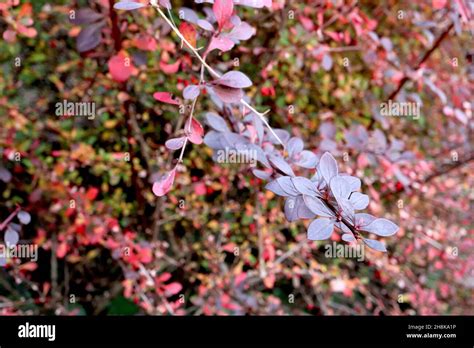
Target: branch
210 69
441 170
425 57
9 218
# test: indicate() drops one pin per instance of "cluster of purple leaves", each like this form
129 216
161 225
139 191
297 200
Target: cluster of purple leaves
12 233
92 22
333 199
330 198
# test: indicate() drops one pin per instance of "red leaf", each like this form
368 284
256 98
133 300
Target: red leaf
165 97
188 32
163 186
145 42
223 11
120 67
92 193
145 255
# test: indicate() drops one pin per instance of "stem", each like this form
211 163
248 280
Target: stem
9 218
180 159
115 28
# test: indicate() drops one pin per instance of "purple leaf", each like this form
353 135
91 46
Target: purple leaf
205 25
86 16
320 229
347 237
234 79
213 140
375 244
24 217
253 3
317 206
327 130
359 201
287 185
261 156
258 126
340 188
275 187
261 174
242 32
280 164
386 43
327 62
303 211
228 94
291 209
128 5
295 146
357 137
188 15
11 237
363 219
306 159
217 122
191 92
382 227
5 175
89 37
282 134
165 4
354 183
328 167
175 143
304 186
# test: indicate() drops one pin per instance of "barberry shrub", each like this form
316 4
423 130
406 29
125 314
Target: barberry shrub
329 198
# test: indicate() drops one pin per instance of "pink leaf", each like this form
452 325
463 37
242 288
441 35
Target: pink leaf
170 69
173 288
223 11
164 277
145 42
194 131
223 44
234 79
120 67
163 186
165 97
228 94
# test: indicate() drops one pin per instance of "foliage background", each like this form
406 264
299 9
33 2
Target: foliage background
181 249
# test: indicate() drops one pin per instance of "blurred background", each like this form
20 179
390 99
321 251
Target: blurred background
219 243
